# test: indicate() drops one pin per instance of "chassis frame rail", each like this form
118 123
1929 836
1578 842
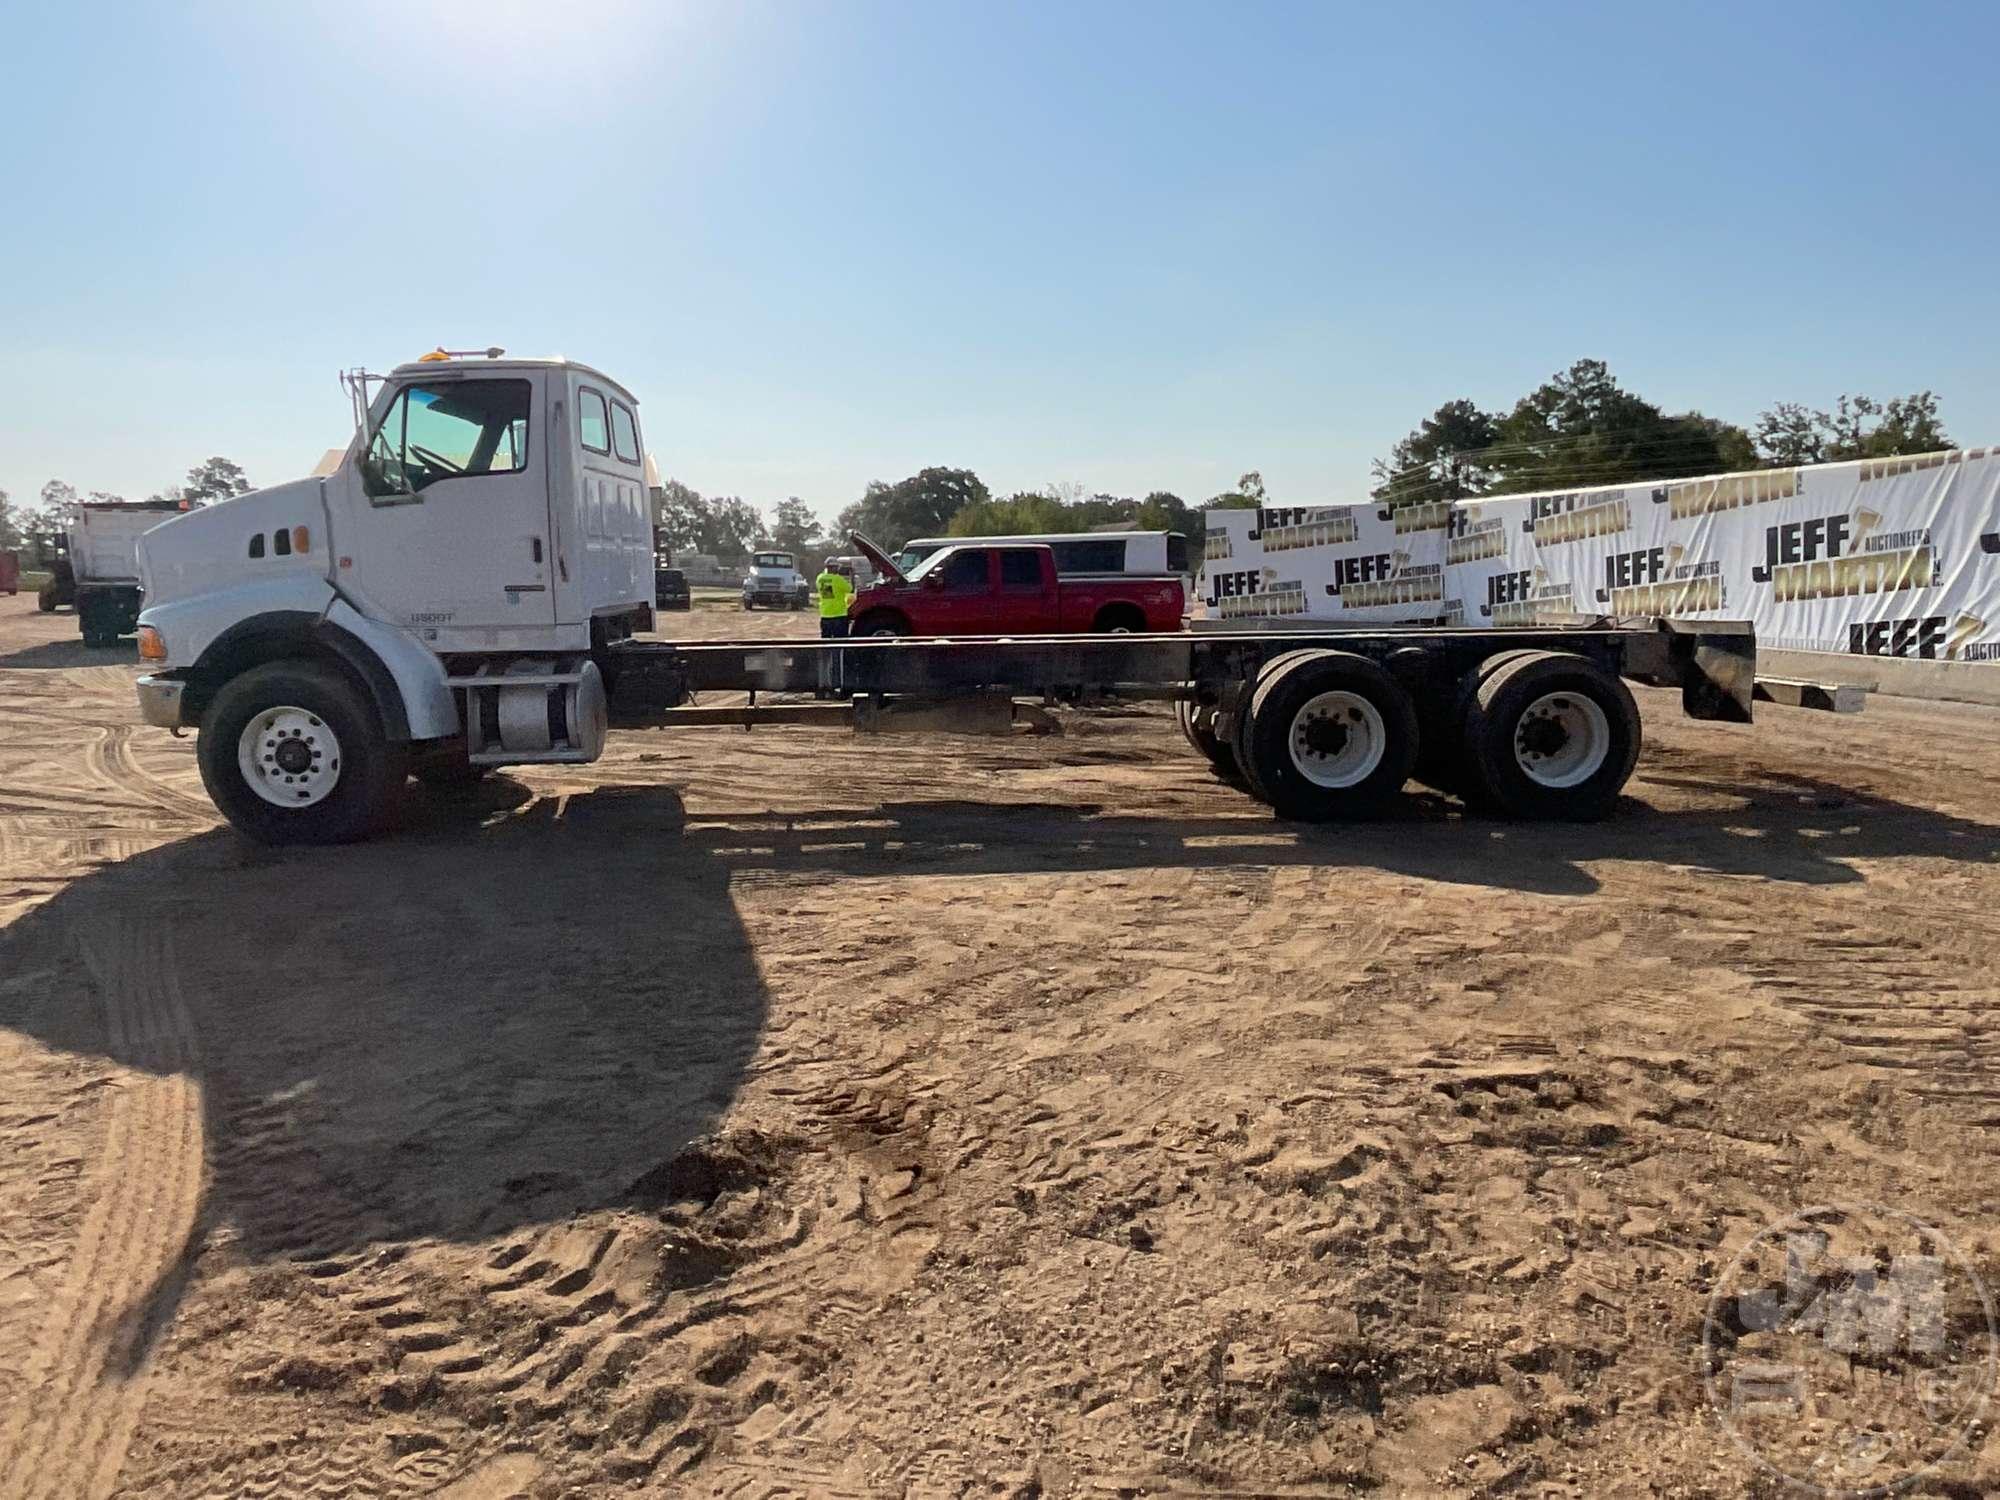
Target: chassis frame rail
1713 664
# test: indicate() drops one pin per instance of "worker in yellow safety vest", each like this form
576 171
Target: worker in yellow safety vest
834 589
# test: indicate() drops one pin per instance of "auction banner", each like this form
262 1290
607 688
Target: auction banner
1357 563
1880 557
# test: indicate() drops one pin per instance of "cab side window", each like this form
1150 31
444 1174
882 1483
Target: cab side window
448 430
624 434
965 571
1020 570
592 424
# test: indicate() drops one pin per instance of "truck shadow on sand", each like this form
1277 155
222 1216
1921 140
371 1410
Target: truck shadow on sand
1789 829
448 1035
72 653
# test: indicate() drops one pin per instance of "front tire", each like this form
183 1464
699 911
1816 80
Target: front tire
294 753
881 624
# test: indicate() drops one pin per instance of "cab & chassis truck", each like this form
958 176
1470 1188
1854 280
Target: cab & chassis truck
463 589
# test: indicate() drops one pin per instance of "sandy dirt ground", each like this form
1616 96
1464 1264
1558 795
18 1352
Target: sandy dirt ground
786 1113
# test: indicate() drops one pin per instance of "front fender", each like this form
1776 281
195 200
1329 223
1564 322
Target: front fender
190 626
418 674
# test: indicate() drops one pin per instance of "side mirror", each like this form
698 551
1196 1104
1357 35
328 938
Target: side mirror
933 580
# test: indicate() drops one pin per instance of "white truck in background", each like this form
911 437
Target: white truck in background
775 582
98 571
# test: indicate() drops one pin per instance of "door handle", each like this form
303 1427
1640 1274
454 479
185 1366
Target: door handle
535 546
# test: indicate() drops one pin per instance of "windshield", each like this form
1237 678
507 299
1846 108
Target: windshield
926 562
913 555
771 560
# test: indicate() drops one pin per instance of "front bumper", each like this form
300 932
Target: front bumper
160 701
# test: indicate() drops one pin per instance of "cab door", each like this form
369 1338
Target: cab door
961 602
1025 597
455 531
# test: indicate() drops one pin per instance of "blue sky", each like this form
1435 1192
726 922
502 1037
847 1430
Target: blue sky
1130 246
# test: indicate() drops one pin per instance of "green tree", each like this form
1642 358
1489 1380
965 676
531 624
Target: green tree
214 479
10 526
1025 513
793 524
56 494
680 517
1581 428
1857 427
1441 459
1163 510
732 527
1734 447
1248 495
922 505
1788 435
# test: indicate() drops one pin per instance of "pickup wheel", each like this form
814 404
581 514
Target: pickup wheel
1328 735
881 622
45 598
1550 734
293 753
1119 619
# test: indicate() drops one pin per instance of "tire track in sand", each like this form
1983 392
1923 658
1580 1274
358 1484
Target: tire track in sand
88 1364
110 762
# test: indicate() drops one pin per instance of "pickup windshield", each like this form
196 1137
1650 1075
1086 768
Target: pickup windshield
771 560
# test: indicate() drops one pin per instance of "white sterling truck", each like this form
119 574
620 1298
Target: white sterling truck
462 590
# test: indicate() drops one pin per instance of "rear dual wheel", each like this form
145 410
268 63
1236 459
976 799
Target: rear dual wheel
1327 735
1549 734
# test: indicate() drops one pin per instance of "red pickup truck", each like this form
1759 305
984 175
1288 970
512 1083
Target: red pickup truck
1006 588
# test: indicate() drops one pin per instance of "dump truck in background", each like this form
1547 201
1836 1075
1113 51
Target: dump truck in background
98 570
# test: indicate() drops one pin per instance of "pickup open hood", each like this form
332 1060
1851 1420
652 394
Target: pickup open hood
881 560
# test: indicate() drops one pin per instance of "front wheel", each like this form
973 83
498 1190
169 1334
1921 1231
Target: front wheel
293 753
880 625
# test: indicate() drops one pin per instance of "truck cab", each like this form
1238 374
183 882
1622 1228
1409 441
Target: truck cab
454 582
774 582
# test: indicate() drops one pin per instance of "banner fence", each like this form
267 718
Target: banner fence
1879 557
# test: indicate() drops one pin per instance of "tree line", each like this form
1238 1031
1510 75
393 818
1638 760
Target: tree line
937 501
36 528
1581 428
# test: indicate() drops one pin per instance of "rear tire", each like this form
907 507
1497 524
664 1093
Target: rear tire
1197 723
45 598
1441 762
1550 734
344 784
1330 735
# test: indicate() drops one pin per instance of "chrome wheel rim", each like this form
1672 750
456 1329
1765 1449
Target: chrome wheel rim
289 756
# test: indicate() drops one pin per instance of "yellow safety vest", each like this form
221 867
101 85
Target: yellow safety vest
834 592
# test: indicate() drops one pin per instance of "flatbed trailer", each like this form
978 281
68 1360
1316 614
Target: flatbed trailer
1532 721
